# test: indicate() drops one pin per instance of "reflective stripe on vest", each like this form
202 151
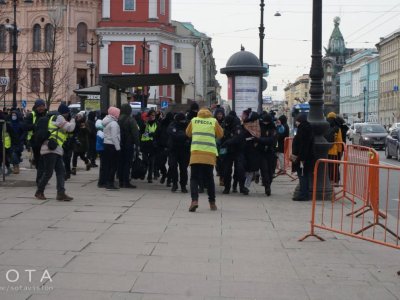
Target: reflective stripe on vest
30 133
7 141
203 135
56 134
149 129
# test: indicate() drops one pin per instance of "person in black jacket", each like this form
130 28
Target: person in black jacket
303 155
282 131
38 111
162 153
91 127
267 144
232 145
129 139
179 152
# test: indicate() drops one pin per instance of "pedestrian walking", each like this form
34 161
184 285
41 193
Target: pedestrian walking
5 142
179 152
81 143
39 111
203 130
282 130
334 136
129 140
148 144
162 137
267 145
112 146
303 156
102 182
17 140
92 133
52 152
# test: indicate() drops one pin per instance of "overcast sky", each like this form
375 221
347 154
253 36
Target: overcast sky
231 23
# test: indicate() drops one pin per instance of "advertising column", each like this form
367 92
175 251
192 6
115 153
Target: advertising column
246 93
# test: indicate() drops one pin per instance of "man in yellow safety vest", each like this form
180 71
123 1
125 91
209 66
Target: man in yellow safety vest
203 130
52 153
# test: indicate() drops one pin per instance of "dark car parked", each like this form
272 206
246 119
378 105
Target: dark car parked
370 135
392 144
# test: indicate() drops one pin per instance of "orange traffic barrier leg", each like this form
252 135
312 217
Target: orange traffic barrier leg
377 223
311 234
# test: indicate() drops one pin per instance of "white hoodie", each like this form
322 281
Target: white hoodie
112 135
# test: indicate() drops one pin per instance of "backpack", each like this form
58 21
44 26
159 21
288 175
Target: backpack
139 168
42 132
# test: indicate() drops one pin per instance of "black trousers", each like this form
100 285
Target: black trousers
52 162
83 157
111 156
179 160
161 162
125 164
199 173
67 157
92 153
149 160
102 174
230 161
267 167
38 162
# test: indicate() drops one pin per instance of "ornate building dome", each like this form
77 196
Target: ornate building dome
336 41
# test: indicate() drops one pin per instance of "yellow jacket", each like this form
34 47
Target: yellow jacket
201 157
337 148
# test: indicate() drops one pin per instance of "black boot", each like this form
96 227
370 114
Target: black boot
174 187
163 178
268 190
184 189
244 190
226 190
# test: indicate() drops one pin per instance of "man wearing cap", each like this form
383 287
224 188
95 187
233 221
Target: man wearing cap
39 111
52 153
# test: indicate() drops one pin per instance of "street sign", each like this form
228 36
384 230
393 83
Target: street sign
4 81
23 104
164 104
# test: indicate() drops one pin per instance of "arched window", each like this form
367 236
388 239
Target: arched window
82 38
3 35
49 38
37 38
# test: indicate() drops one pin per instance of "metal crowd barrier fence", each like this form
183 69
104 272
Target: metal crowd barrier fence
379 188
287 163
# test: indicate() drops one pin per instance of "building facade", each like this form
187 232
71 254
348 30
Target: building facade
333 62
298 92
359 87
53 57
389 105
140 38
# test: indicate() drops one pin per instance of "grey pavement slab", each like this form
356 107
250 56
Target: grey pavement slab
143 244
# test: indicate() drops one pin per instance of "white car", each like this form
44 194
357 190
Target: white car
394 126
351 132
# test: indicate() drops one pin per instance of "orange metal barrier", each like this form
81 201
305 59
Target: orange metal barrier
367 184
287 163
381 190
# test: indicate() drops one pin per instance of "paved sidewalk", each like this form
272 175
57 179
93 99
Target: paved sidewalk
144 244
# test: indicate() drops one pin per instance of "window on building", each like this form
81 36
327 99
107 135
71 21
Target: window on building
178 60
129 5
164 58
162 7
35 80
2 74
3 35
81 78
81 38
128 55
37 38
49 38
47 79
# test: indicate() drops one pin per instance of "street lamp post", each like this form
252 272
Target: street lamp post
316 114
91 64
262 36
14 50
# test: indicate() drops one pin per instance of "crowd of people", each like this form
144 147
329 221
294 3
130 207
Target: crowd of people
150 146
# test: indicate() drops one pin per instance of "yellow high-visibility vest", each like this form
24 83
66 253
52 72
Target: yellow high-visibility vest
30 132
203 135
56 134
7 140
149 129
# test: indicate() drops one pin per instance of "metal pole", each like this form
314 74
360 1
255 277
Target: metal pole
15 49
143 104
262 35
316 114
365 100
91 62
